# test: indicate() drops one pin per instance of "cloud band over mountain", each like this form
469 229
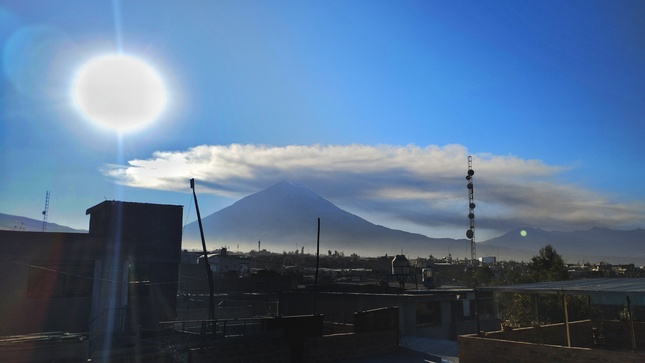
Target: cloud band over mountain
410 185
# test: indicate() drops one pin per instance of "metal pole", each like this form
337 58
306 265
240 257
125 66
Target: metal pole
209 272
317 266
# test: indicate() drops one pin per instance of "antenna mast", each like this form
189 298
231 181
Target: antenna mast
470 233
46 211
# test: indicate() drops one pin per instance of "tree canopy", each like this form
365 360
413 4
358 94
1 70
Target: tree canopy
548 265
524 309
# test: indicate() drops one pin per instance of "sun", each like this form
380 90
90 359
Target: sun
121 92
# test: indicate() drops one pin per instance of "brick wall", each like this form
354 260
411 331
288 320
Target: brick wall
616 334
548 344
580 333
474 349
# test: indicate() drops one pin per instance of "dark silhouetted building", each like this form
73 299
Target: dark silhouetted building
114 283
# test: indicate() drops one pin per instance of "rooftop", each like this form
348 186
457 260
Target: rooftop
600 286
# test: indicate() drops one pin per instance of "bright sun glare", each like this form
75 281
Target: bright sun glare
121 92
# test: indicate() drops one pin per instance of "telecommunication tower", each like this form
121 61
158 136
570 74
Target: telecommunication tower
470 233
46 211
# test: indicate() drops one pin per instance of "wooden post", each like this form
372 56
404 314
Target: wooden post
566 319
537 310
631 323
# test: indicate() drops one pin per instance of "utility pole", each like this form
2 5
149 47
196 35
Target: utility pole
317 266
209 272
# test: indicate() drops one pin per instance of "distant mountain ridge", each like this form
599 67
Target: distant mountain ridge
10 222
283 217
595 244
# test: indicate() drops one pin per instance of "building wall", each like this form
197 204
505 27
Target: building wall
580 334
432 315
154 230
474 349
38 272
145 250
616 335
299 339
548 343
67 281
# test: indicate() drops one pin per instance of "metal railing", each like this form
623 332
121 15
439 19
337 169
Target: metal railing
217 328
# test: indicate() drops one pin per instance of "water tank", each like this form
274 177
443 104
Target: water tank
429 279
400 265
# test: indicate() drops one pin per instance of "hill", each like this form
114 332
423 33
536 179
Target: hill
595 244
10 222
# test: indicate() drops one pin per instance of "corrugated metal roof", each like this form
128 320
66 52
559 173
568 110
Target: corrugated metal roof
615 286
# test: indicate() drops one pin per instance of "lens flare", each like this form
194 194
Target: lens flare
120 92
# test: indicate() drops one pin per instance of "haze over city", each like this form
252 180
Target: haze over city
374 105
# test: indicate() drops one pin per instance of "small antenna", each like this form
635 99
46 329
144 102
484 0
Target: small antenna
46 211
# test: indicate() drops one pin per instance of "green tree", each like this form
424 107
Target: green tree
548 265
483 275
527 309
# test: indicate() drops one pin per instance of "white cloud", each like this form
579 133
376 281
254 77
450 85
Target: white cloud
408 184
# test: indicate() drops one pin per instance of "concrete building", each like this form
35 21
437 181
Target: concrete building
114 283
438 314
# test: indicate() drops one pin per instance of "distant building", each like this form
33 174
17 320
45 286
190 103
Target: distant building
117 281
438 314
223 263
488 260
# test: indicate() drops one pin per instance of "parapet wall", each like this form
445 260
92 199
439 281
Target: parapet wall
474 349
300 339
548 343
580 333
327 348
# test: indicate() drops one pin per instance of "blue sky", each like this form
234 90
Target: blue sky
375 105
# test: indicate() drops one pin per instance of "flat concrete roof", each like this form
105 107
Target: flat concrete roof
612 286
